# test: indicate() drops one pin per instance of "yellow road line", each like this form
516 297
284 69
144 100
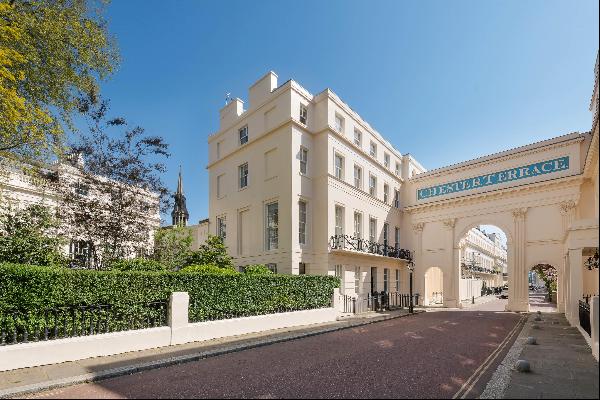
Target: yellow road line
474 378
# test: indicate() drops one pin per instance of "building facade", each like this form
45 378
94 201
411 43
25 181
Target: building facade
21 187
302 183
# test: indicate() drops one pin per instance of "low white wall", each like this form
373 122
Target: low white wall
71 349
239 326
470 288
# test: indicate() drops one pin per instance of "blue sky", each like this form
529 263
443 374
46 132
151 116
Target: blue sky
446 81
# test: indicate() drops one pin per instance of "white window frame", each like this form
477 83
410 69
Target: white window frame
303 160
386 193
386 280
222 227
339 123
396 198
243 135
396 236
358 216
373 188
303 116
243 175
272 267
397 170
338 219
302 221
301 268
271 227
358 178
386 160
373 149
373 229
356 280
397 283
386 233
338 169
357 137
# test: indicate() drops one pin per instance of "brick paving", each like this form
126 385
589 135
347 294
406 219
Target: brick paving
431 355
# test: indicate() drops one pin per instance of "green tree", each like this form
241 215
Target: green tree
172 246
257 269
213 252
51 51
29 236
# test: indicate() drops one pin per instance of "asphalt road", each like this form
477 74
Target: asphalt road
430 355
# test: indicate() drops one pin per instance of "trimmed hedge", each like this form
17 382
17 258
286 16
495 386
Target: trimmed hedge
33 289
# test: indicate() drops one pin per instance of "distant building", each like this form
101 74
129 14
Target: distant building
21 187
180 216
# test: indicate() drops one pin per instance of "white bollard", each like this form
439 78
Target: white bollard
178 309
337 300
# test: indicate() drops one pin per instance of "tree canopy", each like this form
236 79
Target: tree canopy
51 51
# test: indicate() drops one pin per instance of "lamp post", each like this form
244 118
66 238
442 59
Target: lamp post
411 267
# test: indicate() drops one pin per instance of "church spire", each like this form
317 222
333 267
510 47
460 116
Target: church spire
180 213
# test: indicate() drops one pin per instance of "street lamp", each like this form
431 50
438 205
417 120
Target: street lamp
411 268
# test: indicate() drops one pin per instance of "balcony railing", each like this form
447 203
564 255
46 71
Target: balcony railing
475 268
347 242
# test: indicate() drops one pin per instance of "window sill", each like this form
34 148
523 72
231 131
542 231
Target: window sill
244 188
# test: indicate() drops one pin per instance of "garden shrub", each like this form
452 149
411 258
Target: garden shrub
33 289
257 269
209 269
137 264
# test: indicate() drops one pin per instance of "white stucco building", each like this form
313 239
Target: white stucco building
302 183
21 187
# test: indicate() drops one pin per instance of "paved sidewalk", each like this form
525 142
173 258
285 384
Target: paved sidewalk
33 379
562 365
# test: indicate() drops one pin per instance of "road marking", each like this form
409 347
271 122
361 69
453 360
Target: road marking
473 379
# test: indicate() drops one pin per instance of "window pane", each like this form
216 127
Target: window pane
302 222
244 135
303 160
272 226
339 220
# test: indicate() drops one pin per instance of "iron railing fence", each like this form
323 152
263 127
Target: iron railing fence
377 301
20 326
347 242
584 317
197 312
587 297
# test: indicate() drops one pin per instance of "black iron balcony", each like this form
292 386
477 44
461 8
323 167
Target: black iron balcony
347 242
476 268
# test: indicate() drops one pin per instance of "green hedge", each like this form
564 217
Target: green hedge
33 289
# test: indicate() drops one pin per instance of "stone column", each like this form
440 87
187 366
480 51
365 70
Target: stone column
567 212
518 288
452 268
575 285
419 272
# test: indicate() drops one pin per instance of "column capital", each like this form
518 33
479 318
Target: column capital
519 213
449 223
418 227
567 206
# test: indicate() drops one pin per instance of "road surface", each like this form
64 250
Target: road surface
434 355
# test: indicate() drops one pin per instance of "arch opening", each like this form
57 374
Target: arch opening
483 265
542 280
